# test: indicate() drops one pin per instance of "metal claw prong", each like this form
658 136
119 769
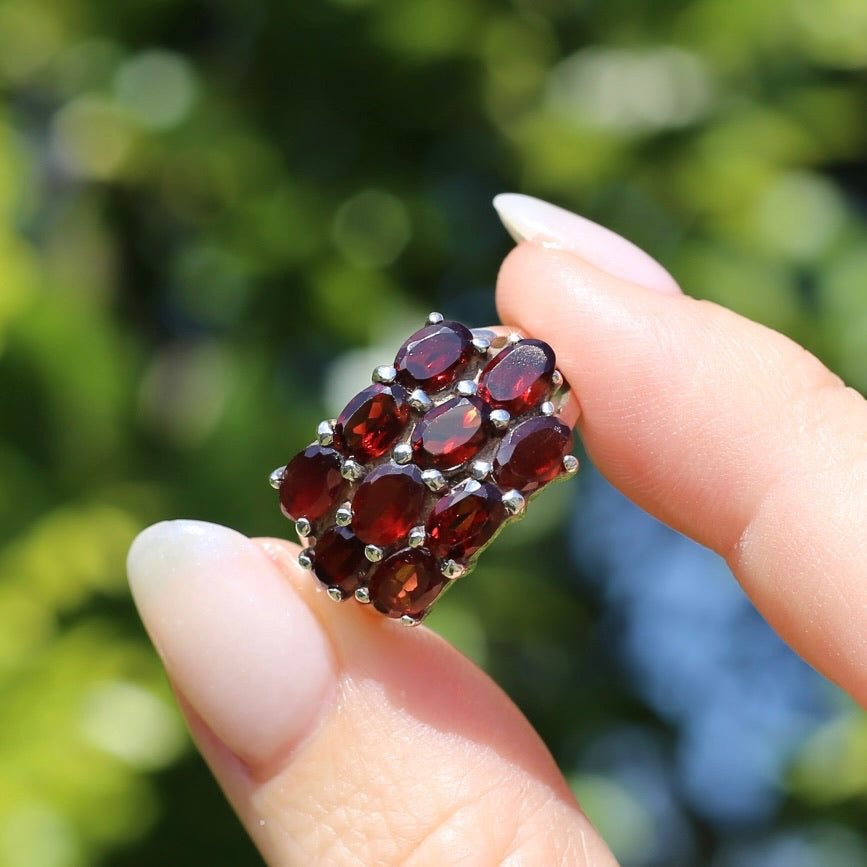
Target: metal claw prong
434 318
452 570
466 388
417 536
513 338
402 453
373 553
343 516
481 344
419 400
305 561
303 527
547 408
276 478
325 432
335 593
556 378
570 464
434 479
363 595
409 620
500 419
514 502
480 470
385 374
352 471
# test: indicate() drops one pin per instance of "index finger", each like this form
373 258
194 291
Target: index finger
724 429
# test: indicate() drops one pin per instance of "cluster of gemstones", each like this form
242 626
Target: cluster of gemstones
400 493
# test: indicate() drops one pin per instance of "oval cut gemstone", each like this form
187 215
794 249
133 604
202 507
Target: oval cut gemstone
339 561
311 483
465 520
450 433
433 356
372 421
388 503
518 377
407 582
532 454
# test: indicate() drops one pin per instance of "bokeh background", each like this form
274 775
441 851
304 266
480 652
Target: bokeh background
217 217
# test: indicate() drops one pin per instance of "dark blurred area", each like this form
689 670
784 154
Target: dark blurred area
216 218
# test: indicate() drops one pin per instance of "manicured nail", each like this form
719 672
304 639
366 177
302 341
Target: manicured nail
236 639
529 219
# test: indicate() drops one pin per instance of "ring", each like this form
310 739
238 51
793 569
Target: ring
397 496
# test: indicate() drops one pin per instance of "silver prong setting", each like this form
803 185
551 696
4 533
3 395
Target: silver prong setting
325 432
419 400
373 553
434 479
500 419
409 620
395 419
514 502
352 471
402 453
452 570
480 470
276 478
384 374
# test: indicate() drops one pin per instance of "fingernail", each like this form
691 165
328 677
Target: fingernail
529 219
236 640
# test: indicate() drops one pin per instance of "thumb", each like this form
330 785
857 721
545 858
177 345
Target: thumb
338 736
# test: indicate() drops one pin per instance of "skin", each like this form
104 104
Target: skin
722 428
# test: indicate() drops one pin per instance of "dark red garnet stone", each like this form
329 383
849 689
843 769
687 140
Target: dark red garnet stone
311 483
518 377
450 433
465 520
532 454
388 503
372 421
407 582
433 356
339 561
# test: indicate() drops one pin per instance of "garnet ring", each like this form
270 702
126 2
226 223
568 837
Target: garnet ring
399 494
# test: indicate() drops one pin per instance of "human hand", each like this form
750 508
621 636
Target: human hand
341 738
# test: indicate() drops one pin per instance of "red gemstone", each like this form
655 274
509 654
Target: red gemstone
465 520
518 377
339 561
532 454
372 421
311 483
434 355
388 503
450 433
406 583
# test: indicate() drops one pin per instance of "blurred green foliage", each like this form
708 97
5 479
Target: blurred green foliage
202 205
